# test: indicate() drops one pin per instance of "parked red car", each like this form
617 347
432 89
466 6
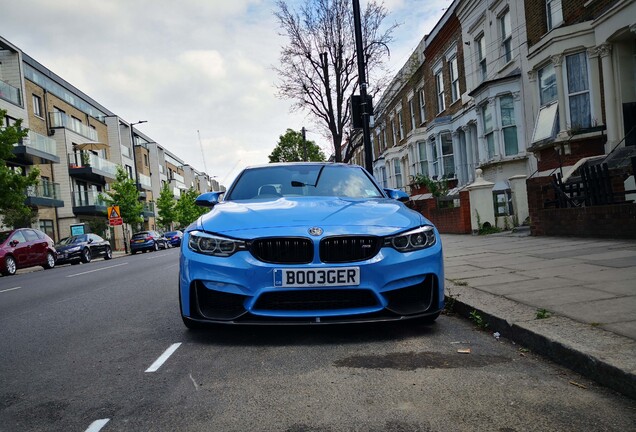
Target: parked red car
25 247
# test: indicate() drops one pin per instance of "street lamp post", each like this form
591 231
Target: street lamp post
362 80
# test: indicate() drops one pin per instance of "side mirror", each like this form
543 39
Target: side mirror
208 199
90 240
397 194
14 243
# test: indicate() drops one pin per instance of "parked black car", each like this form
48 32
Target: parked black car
144 241
82 248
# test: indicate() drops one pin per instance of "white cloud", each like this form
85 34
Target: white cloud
185 66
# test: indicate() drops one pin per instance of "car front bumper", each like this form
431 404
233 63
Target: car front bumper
240 290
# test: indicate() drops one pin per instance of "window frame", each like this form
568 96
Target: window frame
570 95
482 65
556 12
439 86
453 67
422 96
412 110
489 133
512 125
37 105
506 37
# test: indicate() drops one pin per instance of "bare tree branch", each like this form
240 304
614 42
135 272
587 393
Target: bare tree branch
318 66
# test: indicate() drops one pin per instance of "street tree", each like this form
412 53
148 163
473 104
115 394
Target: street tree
14 182
291 148
124 193
318 66
166 207
186 210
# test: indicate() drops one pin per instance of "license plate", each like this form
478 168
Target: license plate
327 277
139 241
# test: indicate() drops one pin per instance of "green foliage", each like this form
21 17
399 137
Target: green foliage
437 188
186 210
290 148
543 314
166 208
97 226
478 319
124 194
13 184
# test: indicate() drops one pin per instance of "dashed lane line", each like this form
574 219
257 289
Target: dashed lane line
162 359
97 425
96 270
10 289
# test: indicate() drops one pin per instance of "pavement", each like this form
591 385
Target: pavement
572 300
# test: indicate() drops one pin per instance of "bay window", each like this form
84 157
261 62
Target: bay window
578 91
508 125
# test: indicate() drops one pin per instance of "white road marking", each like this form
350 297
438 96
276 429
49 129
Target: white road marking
99 269
196 386
97 425
10 289
156 256
162 359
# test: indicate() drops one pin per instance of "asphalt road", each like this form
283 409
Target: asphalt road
101 346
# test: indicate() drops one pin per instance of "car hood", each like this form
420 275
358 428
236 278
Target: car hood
293 216
62 248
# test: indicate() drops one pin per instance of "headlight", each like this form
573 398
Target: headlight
419 238
209 244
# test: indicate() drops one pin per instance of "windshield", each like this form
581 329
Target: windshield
71 240
303 180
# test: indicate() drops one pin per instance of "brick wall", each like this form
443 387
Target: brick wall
574 12
608 221
447 220
550 159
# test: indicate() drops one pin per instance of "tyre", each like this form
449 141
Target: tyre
109 253
50 261
86 256
155 247
10 265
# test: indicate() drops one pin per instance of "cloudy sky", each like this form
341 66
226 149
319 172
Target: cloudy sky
186 65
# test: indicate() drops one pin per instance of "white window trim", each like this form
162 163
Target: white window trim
549 24
501 22
454 84
567 93
439 91
422 97
412 111
482 63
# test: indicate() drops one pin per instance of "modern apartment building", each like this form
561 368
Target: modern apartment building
77 145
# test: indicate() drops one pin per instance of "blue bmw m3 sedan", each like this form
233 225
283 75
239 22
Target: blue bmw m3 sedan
309 243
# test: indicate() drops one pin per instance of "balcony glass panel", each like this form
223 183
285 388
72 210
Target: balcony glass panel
125 151
89 160
149 207
145 181
10 93
44 189
87 198
179 178
59 119
41 142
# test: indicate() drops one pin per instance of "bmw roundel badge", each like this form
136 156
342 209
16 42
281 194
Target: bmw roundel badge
315 231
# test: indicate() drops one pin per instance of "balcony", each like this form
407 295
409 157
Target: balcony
10 94
36 148
88 203
149 210
59 119
145 182
91 167
44 194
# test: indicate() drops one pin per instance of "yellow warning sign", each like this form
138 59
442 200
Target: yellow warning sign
113 212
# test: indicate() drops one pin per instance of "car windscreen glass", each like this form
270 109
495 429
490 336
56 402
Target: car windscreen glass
172 233
303 180
141 235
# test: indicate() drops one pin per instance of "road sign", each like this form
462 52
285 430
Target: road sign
115 221
113 212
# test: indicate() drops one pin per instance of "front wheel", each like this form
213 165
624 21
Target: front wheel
109 253
50 261
86 256
10 266
155 247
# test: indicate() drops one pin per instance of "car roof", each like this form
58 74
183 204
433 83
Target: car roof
303 163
